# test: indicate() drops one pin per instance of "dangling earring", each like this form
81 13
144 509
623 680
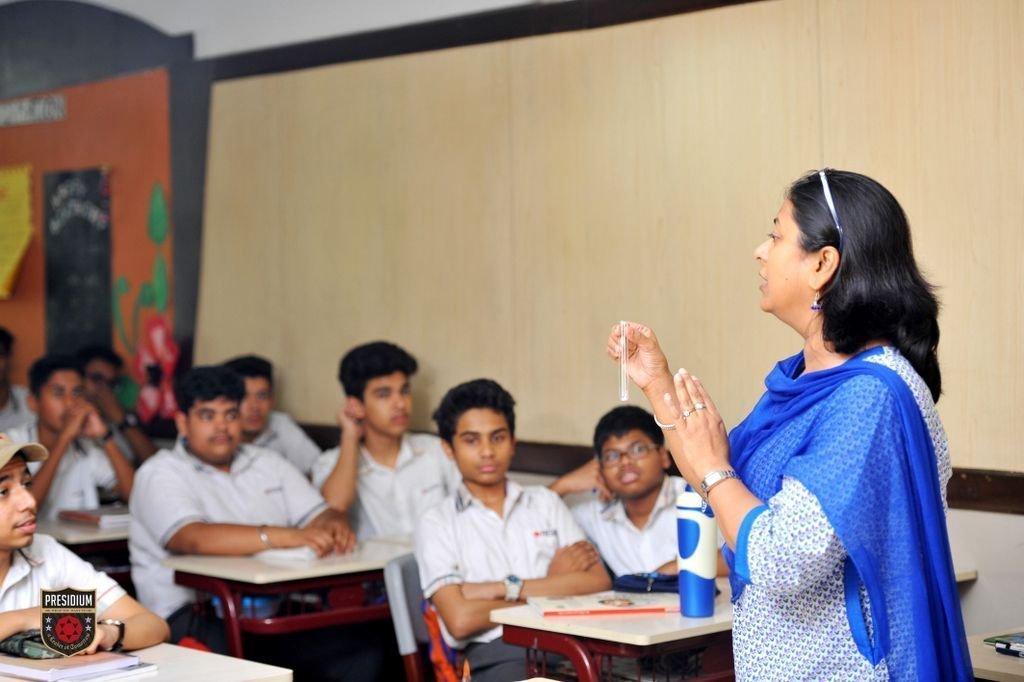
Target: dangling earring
816 306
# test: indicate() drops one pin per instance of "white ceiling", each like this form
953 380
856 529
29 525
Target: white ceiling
226 26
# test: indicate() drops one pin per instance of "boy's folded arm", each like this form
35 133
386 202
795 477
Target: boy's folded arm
464 617
594 579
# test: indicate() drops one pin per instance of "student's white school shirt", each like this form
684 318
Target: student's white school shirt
16 412
174 488
84 469
287 439
624 547
48 565
388 501
462 541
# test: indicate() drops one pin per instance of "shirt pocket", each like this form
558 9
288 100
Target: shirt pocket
274 498
429 492
543 544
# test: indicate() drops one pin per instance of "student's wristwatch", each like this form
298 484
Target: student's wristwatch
120 632
513 587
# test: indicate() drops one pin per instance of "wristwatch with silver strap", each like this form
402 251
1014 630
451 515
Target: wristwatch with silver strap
714 478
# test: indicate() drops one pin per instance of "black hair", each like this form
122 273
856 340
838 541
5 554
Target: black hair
878 291
6 341
622 420
210 382
479 393
372 360
48 365
104 353
252 367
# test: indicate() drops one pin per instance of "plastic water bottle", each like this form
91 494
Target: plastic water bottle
697 557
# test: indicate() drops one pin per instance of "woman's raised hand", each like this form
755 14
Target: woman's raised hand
645 361
701 430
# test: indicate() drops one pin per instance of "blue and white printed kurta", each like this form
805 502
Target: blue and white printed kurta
791 621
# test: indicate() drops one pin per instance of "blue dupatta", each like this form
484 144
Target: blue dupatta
854 436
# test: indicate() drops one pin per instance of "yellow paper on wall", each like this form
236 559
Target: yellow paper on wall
15 223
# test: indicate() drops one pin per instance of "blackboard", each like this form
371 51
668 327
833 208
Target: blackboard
77 240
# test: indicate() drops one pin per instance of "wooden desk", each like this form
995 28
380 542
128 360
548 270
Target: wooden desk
178 664
230 578
585 641
79 535
988 665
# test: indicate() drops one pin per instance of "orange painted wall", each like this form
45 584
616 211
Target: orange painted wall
123 124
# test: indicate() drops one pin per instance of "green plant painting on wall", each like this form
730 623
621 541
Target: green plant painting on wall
149 341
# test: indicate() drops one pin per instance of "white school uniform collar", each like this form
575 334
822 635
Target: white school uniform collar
614 510
242 460
464 499
22 563
407 451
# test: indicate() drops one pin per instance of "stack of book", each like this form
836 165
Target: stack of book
107 518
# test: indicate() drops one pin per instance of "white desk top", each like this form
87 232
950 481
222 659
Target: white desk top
988 665
642 630
179 664
70 533
370 555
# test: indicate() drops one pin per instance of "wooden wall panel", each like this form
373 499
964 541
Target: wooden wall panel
364 202
496 208
928 98
641 191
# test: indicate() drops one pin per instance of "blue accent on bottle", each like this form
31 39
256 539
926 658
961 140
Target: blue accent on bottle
696 593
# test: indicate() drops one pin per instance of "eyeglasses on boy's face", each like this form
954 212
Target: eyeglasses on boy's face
635 452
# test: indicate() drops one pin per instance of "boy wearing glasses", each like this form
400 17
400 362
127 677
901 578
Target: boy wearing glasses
102 367
635 530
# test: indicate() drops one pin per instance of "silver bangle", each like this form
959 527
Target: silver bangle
666 427
264 538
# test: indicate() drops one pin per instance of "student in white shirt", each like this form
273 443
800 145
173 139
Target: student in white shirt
101 368
632 516
14 410
492 542
634 530
84 460
214 495
383 475
30 562
264 426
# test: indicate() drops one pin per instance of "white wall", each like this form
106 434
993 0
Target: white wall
993 544
226 26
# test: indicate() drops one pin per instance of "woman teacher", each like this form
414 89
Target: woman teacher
831 493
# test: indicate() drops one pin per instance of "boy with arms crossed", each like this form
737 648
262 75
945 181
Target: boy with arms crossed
492 542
